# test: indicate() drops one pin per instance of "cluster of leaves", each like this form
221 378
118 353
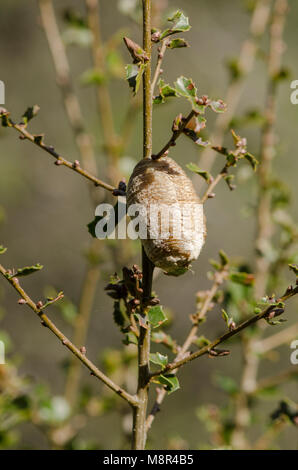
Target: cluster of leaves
232 158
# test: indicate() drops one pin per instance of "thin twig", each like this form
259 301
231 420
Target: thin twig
265 226
274 341
14 282
206 349
38 140
64 81
161 393
87 156
110 137
161 54
175 136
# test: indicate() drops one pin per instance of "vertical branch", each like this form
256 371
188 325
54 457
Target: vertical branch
84 144
147 95
110 137
246 60
63 78
140 411
265 226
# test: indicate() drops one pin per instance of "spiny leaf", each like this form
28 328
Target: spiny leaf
156 316
170 381
2 249
30 113
134 75
26 270
186 87
204 174
177 43
180 24
165 91
159 359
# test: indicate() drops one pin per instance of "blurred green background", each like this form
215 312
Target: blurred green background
46 209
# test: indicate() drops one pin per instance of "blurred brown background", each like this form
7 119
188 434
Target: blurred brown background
47 209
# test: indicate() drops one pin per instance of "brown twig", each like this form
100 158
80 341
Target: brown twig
206 349
14 282
161 393
64 81
174 136
140 411
274 341
38 140
157 72
84 144
264 218
110 137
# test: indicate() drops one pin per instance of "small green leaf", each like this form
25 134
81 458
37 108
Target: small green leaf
204 174
160 337
177 43
242 278
225 316
134 75
180 24
130 338
2 249
186 87
30 113
218 106
201 341
165 91
252 160
26 270
156 316
170 381
228 179
293 267
223 258
159 359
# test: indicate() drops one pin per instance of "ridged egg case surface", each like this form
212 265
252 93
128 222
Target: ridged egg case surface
163 184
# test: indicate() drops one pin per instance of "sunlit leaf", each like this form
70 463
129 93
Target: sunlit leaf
159 359
180 24
170 381
156 316
26 270
186 87
204 174
177 43
165 91
134 75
